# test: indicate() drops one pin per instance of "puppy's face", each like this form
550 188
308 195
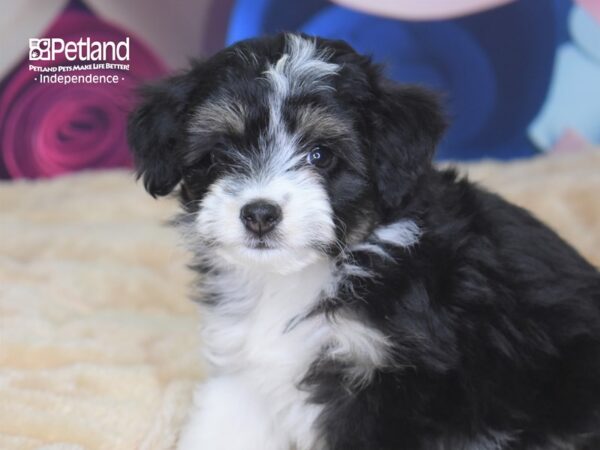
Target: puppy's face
285 149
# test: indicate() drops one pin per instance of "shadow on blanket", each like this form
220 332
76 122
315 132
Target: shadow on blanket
98 345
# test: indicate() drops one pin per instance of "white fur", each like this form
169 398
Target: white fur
252 400
260 359
363 346
257 359
257 362
306 220
252 344
300 69
228 415
371 248
307 217
404 233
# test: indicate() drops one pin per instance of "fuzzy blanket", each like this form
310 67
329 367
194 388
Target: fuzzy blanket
98 342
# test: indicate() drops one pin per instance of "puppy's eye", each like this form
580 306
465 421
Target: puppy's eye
217 157
320 157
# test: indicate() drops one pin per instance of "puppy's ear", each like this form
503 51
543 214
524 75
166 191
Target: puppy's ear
408 124
156 133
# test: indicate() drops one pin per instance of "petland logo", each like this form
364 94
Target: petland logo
79 62
47 49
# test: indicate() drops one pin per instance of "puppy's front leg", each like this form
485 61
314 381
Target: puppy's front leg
227 415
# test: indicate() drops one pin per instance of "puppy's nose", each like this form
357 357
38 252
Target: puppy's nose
260 216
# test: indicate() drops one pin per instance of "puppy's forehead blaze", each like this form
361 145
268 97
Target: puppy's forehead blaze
301 70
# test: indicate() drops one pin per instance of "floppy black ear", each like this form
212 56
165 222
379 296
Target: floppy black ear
408 124
156 133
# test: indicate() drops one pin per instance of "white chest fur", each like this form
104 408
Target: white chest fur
247 334
257 359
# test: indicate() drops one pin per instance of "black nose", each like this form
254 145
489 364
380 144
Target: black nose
260 217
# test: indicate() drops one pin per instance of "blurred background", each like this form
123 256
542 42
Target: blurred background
96 329
520 78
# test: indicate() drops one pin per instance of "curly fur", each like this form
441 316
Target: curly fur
396 306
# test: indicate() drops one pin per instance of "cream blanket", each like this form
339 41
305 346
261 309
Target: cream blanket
98 344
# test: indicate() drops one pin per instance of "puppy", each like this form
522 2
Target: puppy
352 295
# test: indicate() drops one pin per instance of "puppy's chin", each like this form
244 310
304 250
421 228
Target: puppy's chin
279 260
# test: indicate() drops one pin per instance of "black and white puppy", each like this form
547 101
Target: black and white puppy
352 295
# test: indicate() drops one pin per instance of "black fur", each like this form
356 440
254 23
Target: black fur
495 320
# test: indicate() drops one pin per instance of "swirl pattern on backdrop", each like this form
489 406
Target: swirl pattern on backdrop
51 129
